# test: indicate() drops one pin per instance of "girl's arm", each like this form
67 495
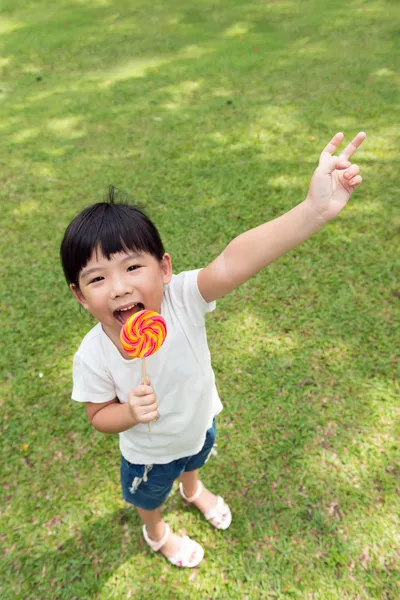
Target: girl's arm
331 186
110 417
114 417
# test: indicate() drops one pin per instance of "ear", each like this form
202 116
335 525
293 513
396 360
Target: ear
78 295
166 268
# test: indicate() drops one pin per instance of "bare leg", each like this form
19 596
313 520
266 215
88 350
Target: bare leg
155 527
154 524
190 480
206 500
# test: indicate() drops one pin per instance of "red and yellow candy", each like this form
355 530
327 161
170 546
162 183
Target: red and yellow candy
143 334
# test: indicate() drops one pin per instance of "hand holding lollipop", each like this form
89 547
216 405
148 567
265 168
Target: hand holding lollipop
142 335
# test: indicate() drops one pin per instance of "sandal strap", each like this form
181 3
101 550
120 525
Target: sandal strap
156 545
218 511
184 554
197 493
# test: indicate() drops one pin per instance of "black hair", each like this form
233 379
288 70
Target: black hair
109 227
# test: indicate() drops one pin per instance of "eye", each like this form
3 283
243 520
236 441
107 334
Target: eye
96 279
133 267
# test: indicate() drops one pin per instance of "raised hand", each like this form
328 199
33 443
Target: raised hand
335 178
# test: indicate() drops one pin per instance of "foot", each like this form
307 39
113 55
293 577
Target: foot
205 501
181 551
171 546
213 507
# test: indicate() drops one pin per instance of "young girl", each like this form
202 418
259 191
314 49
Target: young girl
115 264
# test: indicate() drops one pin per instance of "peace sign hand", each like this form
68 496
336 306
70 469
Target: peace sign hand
335 178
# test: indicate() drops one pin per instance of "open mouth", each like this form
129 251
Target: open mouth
123 314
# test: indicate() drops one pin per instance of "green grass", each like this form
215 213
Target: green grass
212 115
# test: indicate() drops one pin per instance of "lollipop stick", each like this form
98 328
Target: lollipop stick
144 374
144 380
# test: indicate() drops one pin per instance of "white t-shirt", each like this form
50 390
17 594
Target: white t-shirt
180 374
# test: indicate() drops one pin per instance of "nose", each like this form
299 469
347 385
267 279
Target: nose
120 287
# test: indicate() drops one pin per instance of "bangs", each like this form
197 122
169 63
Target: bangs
118 234
109 229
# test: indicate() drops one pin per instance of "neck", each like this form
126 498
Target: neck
114 337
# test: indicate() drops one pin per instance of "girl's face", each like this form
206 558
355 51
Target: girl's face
113 290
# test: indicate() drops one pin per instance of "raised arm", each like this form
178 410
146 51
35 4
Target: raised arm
332 184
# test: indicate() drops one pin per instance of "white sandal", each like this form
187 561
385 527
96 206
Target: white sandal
220 515
183 556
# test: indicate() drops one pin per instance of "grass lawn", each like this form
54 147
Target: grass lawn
212 115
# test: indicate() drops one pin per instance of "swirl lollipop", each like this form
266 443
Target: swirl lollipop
142 335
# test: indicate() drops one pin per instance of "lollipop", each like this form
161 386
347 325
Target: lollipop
143 334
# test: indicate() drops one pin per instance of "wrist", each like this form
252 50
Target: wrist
316 217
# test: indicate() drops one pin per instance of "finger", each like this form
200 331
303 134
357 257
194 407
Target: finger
140 401
143 390
340 164
328 166
355 181
151 416
147 400
351 172
332 146
150 408
353 146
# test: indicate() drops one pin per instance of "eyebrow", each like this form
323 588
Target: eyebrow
89 272
92 270
133 255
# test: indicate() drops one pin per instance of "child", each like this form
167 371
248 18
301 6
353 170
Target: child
115 264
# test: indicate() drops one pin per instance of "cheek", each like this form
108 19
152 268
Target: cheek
152 295
158 290
97 300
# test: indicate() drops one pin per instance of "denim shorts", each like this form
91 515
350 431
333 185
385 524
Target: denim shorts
148 486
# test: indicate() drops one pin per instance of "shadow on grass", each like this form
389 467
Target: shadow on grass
82 565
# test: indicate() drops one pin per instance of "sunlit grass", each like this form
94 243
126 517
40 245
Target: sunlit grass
212 116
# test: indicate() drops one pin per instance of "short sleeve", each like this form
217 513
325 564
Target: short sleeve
185 292
91 382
